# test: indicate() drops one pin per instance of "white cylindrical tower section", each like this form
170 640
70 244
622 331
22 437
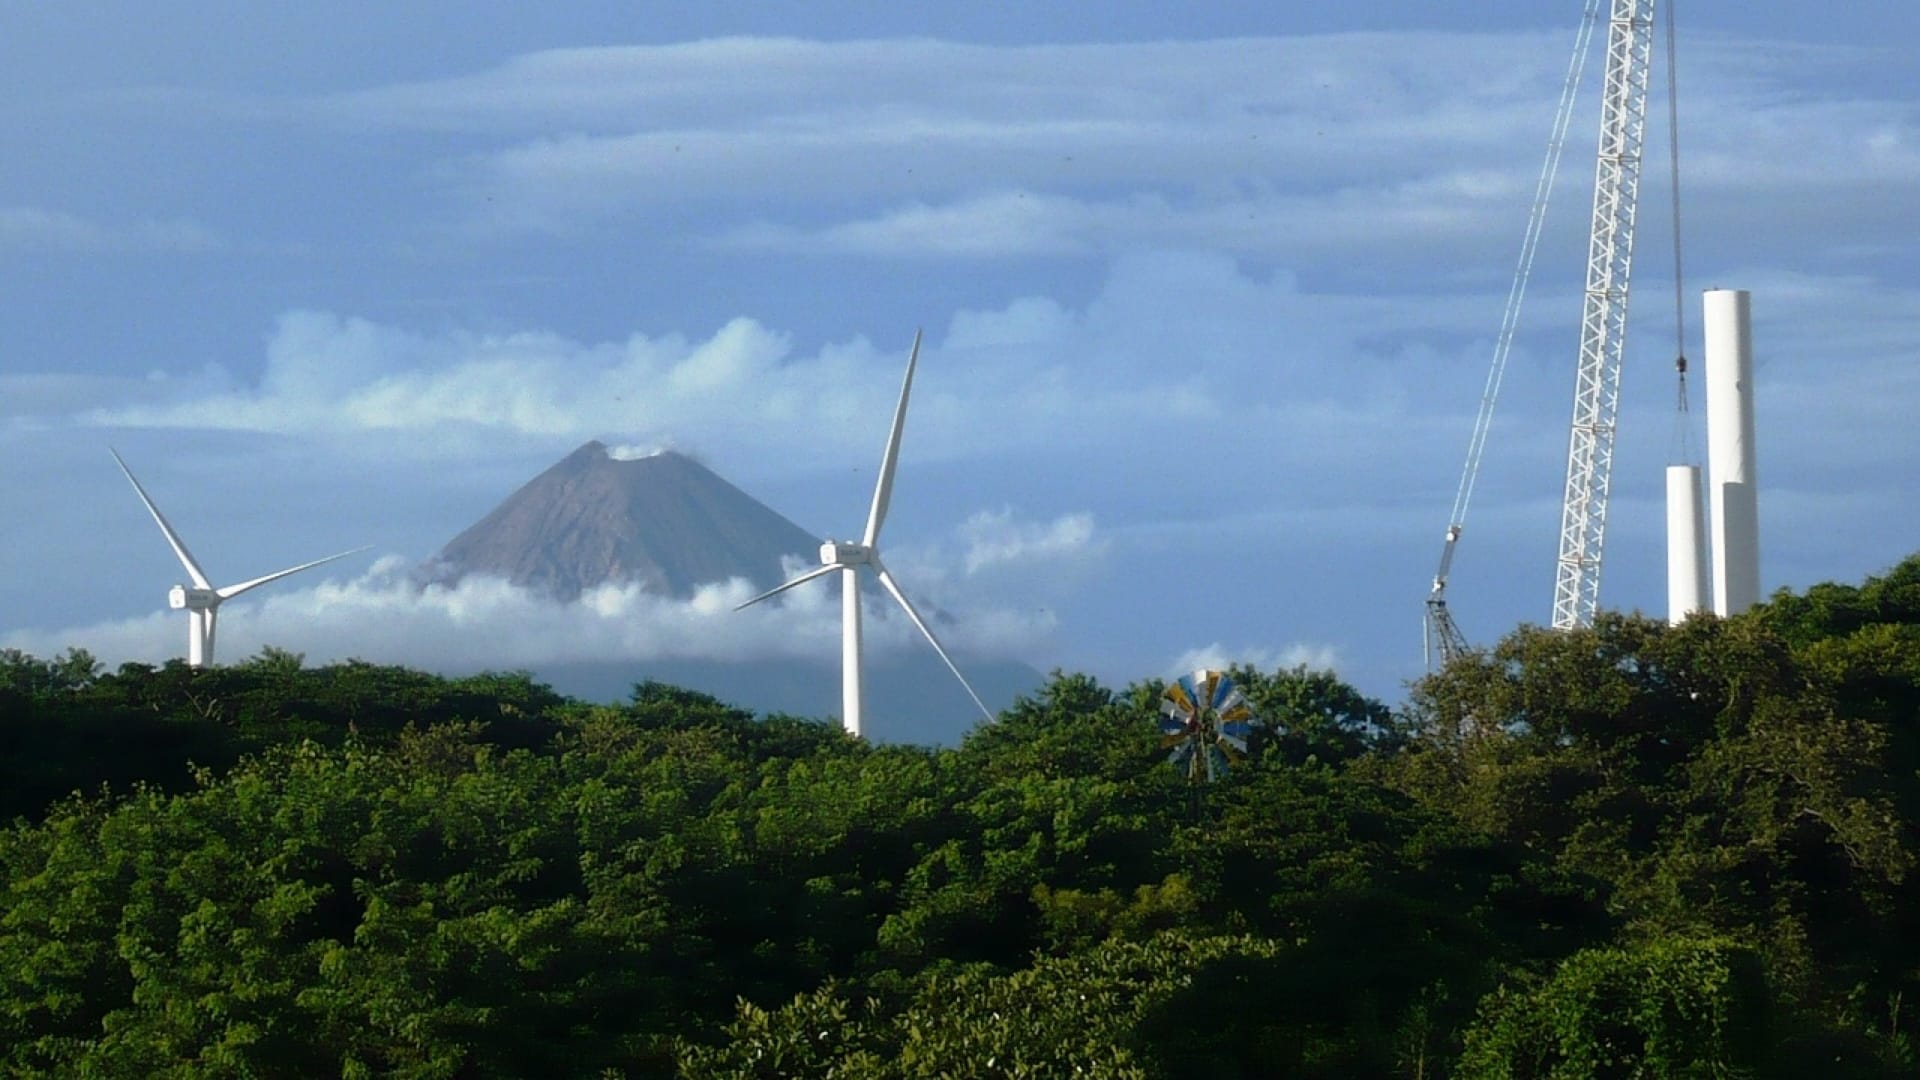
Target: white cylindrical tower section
850 688
1686 545
1736 514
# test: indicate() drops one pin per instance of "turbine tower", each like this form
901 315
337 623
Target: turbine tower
201 599
847 557
1736 509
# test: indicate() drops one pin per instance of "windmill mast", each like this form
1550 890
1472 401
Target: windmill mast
1603 322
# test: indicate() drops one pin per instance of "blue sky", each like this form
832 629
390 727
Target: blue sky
1209 299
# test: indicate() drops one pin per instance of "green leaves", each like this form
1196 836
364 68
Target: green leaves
1752 777
1678 1007
1542 868
1073 1016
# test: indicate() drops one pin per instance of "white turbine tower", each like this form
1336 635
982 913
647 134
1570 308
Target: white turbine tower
201 599
848 557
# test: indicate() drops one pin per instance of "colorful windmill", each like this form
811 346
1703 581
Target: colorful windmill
1204 721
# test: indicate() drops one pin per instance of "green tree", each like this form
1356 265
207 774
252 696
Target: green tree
1312 714
1675 1007
1714 778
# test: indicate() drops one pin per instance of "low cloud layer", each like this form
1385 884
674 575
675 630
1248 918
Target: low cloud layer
484 622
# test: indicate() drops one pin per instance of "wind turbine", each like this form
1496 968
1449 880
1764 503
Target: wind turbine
847 557
200 599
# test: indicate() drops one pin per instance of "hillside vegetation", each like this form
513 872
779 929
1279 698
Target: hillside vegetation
1630 851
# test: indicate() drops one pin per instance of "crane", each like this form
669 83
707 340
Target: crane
1603 319
1442 633
1603 324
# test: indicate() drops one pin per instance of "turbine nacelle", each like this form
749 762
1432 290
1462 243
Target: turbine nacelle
192 598
845 553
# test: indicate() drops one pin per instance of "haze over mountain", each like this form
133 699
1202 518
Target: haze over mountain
601 516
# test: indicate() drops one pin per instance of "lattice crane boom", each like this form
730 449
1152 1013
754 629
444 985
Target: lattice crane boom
1603 322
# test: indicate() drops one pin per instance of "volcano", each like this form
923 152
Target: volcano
663 520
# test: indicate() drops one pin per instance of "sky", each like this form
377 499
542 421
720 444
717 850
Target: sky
1209 298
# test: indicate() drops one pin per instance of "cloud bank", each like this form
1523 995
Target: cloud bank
484 622
1046 377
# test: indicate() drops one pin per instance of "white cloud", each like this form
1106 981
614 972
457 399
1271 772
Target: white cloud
1446 209
871 86
638 452
984 158
1000 225
1387 144
327 375
995 538
485 622
1315 657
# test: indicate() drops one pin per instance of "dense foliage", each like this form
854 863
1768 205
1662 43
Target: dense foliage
1632 851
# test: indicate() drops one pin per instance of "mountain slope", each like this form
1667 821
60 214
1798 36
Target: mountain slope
664 520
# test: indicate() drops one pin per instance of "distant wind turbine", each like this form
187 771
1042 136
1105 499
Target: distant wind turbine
848 557
200 599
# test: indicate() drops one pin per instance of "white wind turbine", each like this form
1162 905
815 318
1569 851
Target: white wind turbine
848 557
200 599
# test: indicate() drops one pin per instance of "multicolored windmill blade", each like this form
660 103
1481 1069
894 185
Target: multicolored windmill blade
1204 724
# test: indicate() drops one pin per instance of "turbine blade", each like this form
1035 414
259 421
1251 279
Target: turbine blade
883 491
232 591
801 580
887 582
173 538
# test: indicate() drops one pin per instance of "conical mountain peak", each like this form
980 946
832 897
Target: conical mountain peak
603 516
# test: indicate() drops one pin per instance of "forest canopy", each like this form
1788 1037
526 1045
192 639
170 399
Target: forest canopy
1632 850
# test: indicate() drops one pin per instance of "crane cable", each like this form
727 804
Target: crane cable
1439 625
1510 320
1684 450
